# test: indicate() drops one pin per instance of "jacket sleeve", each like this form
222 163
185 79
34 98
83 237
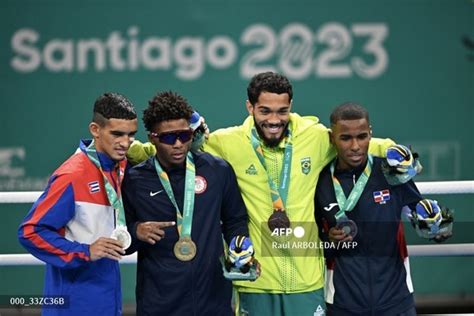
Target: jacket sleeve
319 214
325 148
139 152
409 194
378 146
233 212
43 229
213 146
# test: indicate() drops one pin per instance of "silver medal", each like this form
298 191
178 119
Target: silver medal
123 236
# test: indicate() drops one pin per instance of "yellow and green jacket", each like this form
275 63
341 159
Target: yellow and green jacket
281 271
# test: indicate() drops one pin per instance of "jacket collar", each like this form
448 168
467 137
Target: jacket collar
357 171
106 162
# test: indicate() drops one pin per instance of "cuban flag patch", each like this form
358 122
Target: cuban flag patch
94 187
382 197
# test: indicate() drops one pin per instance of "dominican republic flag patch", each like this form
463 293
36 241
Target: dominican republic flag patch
382 197
94 187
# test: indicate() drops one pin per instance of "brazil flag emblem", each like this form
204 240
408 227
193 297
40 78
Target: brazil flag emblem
306 165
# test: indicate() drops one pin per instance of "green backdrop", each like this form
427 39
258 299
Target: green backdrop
409 62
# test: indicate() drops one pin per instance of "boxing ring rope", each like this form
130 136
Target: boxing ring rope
438 187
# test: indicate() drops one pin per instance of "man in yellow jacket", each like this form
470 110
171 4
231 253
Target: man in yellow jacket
277 157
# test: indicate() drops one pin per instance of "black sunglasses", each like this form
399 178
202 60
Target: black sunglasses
170 138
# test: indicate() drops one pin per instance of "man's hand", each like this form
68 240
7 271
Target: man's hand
338 235
151 232
258 268
401 165
205 127
432 221
200 130
106 248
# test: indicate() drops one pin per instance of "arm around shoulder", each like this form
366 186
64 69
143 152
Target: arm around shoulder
139 152
213 145
378 146
233 213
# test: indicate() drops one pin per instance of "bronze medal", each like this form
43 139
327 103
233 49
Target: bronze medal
279 220
348 226
185 249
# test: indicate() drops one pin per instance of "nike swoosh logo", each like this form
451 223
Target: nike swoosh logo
330 207
155 193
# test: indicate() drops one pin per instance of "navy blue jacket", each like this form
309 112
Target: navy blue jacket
372 278
165 285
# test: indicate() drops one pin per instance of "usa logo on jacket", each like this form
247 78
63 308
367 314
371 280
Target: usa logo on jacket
200 185
382 197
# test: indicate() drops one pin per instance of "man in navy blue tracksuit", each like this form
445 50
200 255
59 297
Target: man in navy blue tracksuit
178 270
371 275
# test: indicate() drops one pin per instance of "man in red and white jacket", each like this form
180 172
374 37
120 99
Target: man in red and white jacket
70 225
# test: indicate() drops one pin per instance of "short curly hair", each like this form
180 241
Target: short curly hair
166 106
268 82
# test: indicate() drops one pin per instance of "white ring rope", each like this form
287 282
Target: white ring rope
440 250
19 197
30 260
440 187
446 187
437 187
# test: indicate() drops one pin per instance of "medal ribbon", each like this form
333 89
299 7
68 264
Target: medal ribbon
184 220
278 194
347 205
113 196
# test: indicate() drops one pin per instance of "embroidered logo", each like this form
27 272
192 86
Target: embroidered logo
382 197
319 311
94 187
306 165
330 206
155 193
200 185
251 170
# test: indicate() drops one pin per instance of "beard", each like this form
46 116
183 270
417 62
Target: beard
267 141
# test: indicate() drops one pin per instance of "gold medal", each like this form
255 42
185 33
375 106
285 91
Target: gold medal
278 220
185 249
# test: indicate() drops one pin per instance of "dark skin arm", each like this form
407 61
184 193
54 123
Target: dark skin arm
338 235
151 232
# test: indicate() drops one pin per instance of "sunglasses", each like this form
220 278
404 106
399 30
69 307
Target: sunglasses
170 138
